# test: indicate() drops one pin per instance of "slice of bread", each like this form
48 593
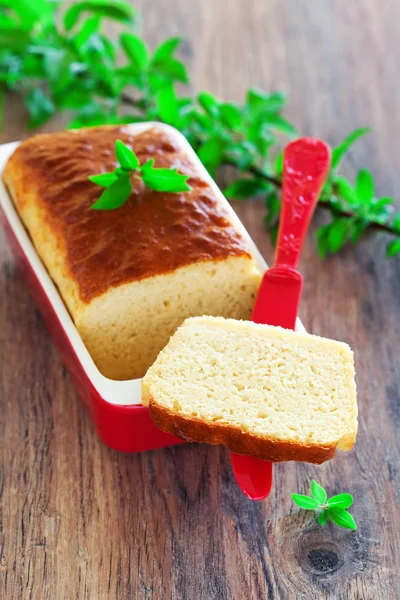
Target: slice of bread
263 391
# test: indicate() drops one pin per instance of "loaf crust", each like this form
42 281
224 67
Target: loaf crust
196 430
152 234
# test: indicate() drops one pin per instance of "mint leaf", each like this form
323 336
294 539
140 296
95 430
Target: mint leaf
357 230
172 69
209 103
278 164
364 186
273 204
125 156
258 101
341 517
40 107
345 189
104 179
89 27
1 109
244 188
340 501
230 115
164 180
323 517
318 492
211 153
117 10
115 195
136 50
167 104
337 234
396 222
281 124
340 150
393 248
166 49
305 502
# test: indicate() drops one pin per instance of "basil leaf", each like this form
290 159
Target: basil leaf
323 517
338 233
167 105
364 186
115 195
166 49
230 115
357 230
393 248
341 517
164 180
91 115
244 188
172 69
340 501
13 39
56 63
125 156
345 189
40 107
89 27
322 240
209 103
113 9
340 150
136 50
278 164
104 179
305 501
211 153
396 222
258 101
273 204
318 492
1 110
281 124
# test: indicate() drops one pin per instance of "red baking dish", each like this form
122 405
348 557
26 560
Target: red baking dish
114 406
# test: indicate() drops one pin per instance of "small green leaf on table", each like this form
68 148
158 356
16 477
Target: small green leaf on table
341 517
318 492
305 501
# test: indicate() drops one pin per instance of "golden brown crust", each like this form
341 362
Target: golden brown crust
152 234
196 430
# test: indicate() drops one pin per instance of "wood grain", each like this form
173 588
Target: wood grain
79 521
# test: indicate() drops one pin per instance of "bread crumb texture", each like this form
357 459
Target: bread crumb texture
261 390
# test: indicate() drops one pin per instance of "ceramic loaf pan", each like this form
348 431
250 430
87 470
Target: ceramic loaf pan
114 406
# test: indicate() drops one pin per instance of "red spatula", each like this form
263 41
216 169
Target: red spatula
305 168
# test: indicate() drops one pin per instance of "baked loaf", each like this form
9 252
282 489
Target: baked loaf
264 391
130 276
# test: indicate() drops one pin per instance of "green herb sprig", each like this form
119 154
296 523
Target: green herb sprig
118 183
333 508
58 58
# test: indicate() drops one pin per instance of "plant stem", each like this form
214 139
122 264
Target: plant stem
326 203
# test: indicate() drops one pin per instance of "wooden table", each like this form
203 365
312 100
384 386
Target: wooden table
79 521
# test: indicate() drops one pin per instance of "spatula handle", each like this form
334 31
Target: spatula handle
306 165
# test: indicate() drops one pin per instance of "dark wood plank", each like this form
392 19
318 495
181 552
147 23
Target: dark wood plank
79 521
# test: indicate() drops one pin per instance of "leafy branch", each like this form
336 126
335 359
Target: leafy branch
333 508
61 60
